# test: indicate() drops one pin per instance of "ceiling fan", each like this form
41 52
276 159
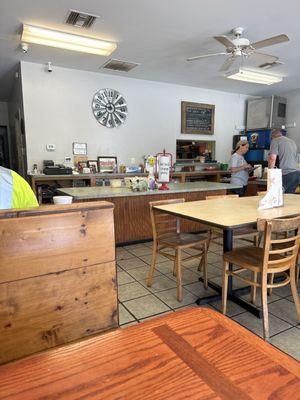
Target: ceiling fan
239 47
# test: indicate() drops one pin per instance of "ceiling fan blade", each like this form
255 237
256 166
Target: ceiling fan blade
266 58
270 65
224 40
270 41
205 56
227 64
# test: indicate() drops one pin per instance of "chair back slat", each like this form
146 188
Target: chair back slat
280 225
280 260
163 223
282 252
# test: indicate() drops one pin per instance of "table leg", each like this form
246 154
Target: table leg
233 295
227 246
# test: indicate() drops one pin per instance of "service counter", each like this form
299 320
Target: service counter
132 217
86 180
258 185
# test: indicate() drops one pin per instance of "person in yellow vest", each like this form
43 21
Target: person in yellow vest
15 192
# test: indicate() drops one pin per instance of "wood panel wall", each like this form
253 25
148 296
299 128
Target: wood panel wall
57 276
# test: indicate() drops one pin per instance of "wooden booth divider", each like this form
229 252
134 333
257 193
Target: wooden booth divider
57 276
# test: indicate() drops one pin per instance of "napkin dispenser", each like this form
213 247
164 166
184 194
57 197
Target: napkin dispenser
274 195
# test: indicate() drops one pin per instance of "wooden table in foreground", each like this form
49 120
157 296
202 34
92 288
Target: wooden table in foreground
192 354
229 214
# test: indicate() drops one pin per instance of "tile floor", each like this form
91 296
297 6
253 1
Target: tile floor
137 302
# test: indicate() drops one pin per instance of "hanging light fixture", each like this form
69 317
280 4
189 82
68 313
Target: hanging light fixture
68 41
253 76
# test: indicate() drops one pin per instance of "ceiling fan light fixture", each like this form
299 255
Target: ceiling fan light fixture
253 76
68 41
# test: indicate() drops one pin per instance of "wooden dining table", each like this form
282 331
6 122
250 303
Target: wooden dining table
195 354
229 214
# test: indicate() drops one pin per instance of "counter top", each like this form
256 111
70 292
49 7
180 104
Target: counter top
87 176
99 192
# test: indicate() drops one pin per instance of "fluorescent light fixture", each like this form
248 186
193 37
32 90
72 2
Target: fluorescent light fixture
68 41
253 76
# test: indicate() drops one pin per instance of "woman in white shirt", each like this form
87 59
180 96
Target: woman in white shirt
239 167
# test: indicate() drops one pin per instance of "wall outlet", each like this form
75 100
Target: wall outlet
50 147
132 160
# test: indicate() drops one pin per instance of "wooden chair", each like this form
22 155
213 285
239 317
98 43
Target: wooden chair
278 256
247 234
167 235
298 258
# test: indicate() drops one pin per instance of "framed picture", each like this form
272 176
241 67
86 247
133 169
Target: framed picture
79 148
82 164
107 164
197 118
93 165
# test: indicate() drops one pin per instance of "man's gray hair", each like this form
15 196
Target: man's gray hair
276 133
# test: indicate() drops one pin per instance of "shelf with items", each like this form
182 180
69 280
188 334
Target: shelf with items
45 186
212 176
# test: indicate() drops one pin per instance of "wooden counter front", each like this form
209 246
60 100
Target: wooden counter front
57 276
132 215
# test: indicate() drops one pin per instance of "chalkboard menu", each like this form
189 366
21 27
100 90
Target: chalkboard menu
197 118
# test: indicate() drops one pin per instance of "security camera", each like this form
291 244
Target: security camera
49 67
24 47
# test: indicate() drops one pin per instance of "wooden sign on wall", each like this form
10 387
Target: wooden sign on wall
197 118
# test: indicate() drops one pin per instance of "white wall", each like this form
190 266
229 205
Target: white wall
293 115
57 110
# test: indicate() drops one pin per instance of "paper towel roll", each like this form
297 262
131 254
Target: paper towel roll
258 171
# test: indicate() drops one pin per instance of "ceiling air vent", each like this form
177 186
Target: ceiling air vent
80 19
119 65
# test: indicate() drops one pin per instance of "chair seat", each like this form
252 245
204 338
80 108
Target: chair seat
182 239
248 257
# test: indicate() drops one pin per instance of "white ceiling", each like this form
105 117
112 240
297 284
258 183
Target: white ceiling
158 34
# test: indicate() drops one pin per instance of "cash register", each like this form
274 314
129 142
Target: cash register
49 168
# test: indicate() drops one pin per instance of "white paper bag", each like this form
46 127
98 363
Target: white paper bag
274 195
